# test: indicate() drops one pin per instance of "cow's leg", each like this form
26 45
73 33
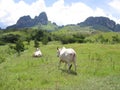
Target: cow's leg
59 64
69 65
75 65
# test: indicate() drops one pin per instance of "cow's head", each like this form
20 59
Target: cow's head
37 49
59 50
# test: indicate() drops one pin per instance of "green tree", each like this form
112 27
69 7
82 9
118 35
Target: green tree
45 40
10 38
36 43
115 39
28 39
19 47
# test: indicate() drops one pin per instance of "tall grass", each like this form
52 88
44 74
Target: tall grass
98 68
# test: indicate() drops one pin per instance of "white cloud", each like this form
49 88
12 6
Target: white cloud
11 11
71 14
77 12
114 19
99 12
115 4
59 12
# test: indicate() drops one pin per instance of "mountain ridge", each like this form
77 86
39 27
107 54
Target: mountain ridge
98 23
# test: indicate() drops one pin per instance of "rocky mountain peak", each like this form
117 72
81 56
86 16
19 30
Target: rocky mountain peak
42 19
97 22
26 21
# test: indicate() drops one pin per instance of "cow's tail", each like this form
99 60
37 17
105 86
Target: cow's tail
74 57
74 60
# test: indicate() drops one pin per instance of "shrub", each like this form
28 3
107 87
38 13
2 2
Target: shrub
79 38
2 43
36 43
2 59
10 38
19 47
115 39
45 40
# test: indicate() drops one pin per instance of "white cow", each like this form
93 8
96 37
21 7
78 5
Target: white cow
37 53
67 56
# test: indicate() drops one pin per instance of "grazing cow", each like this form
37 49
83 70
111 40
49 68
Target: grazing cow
67 56
37 53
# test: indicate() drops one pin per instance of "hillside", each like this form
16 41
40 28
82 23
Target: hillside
49 27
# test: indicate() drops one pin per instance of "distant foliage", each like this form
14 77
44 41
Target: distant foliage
36 43
39 35
19 47
80 38
73 38
64 35
10 38
101 39
2 43
43 36
115 39
2 59
45 40
105 38
28 39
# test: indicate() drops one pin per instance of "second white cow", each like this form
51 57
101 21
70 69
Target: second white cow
37 53
67 56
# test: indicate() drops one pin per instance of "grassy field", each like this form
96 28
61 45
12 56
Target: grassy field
98 68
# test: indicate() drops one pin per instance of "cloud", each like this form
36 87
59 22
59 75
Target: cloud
71 14
115 4
59 12
12 11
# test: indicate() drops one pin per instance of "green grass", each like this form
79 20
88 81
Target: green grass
98 68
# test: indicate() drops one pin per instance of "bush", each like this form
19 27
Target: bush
10 38
45 40
115 39
36 43
19 47
28 39
39 34
2 43
79 38
2 59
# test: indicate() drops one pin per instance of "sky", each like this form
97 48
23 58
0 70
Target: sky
62 12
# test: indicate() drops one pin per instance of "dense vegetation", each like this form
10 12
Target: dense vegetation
65 35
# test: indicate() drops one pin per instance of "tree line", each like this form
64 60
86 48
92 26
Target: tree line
44 36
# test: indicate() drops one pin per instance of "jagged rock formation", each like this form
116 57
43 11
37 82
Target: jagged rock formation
101 23
27 21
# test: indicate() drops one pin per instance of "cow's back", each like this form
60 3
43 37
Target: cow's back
68 55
